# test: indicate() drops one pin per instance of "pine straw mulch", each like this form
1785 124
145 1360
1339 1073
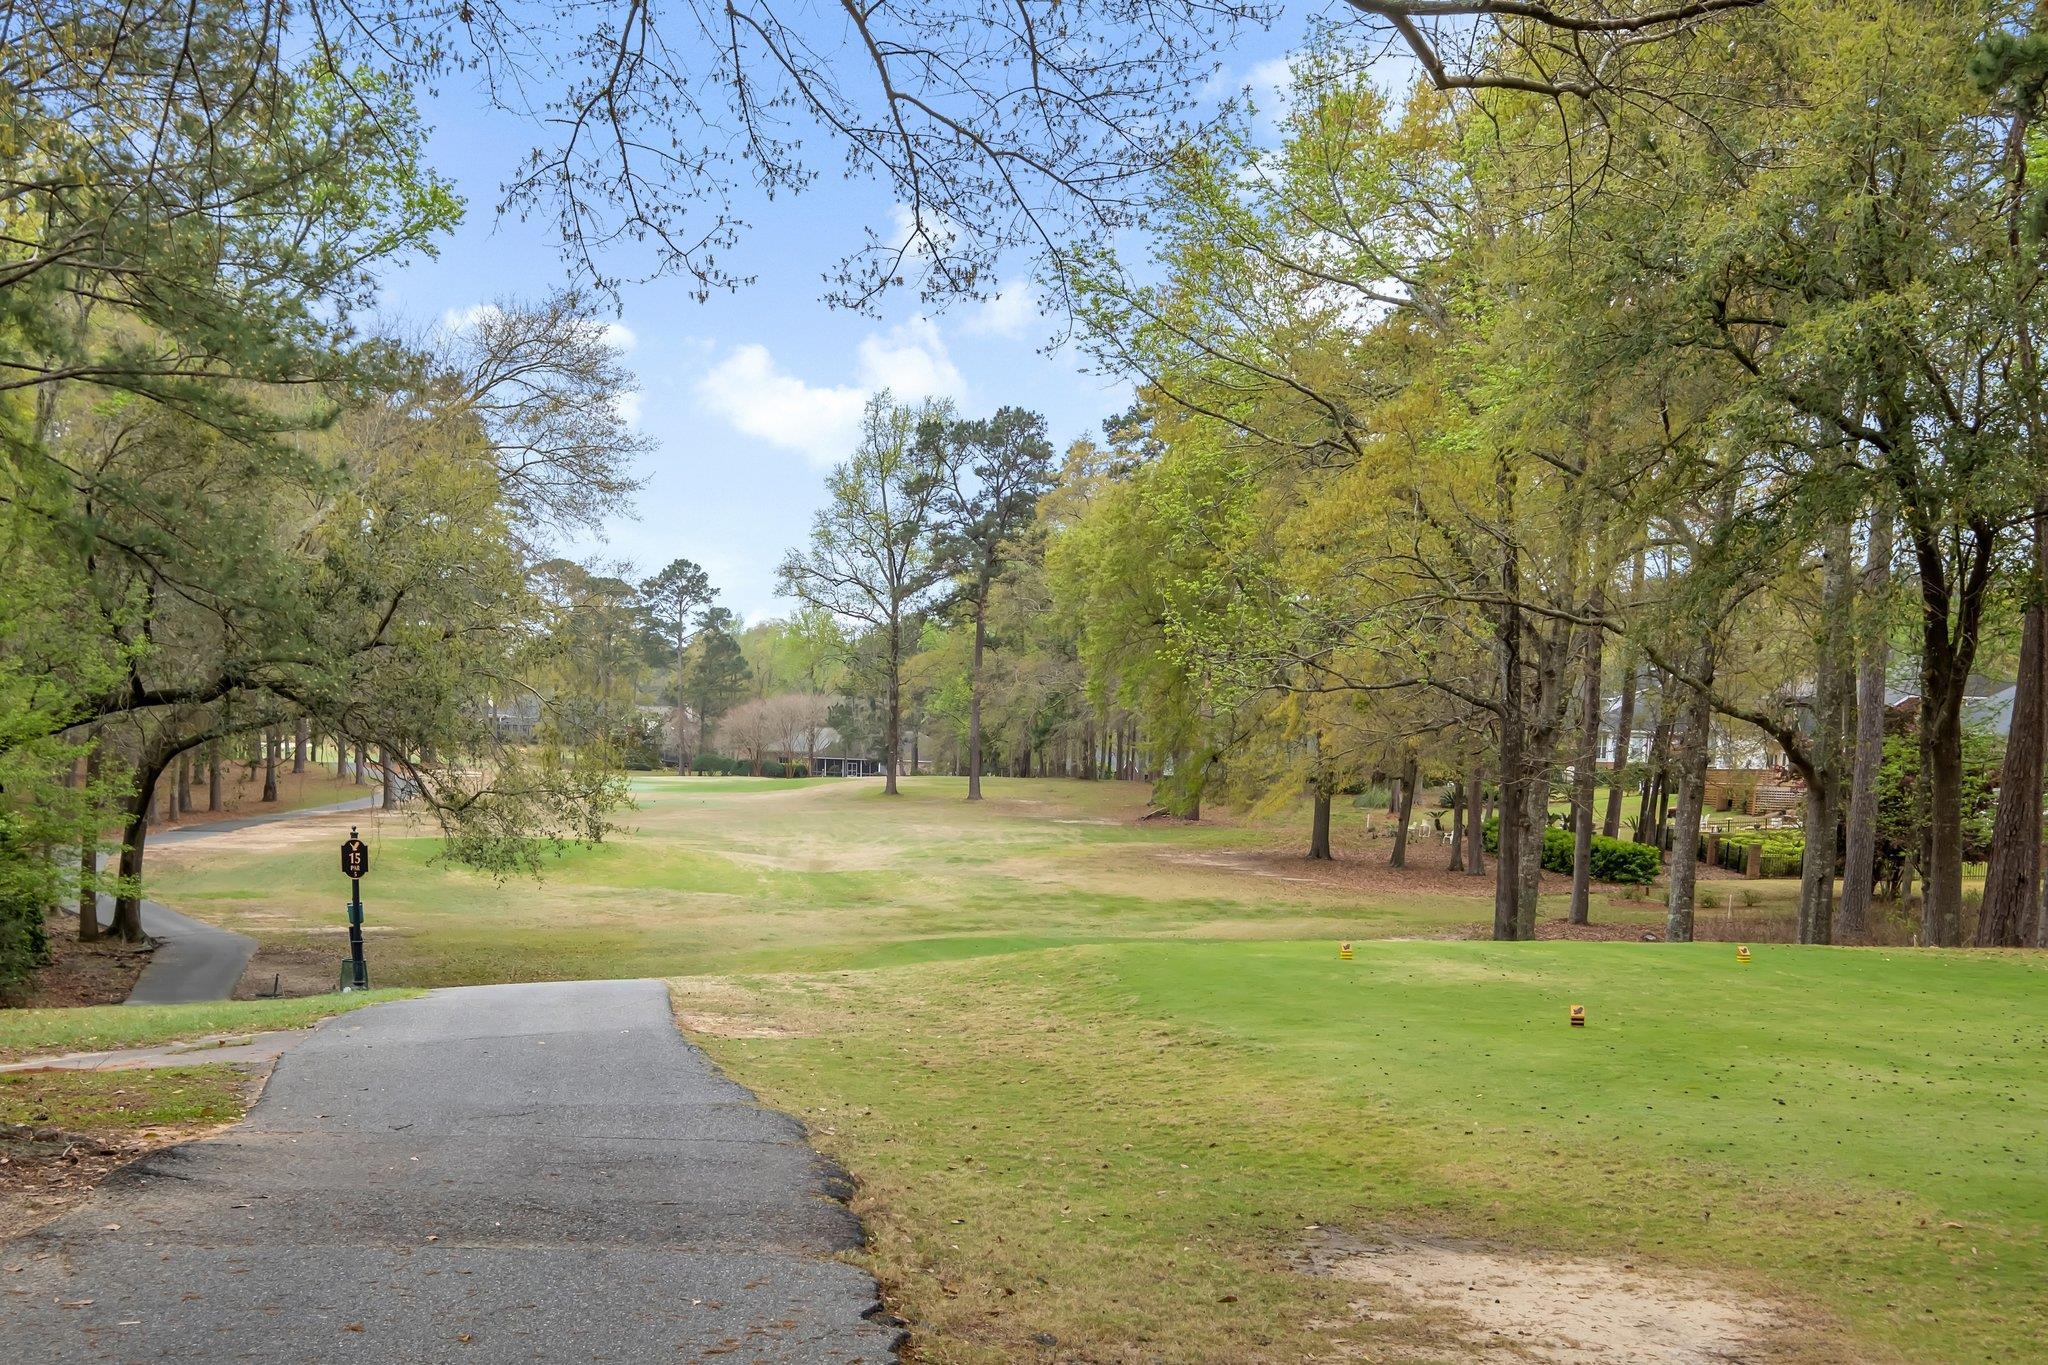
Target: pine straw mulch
1360 866
101 973
47 1172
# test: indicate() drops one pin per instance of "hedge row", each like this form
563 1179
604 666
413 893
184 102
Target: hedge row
716 765
1614 860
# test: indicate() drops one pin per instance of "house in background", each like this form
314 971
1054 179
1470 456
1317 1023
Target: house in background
835 757
516 718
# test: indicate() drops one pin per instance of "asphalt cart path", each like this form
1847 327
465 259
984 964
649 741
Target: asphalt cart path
194 960
496 1173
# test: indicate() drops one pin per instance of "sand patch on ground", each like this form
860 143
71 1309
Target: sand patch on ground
1489 1301
716 1007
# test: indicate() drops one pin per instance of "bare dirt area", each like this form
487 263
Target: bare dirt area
290 969
84 973
1485 1302
1362 870
288 834
242 795
45 1172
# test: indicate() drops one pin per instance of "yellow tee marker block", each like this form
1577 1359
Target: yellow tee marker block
1578 1016
1742 953
1344 951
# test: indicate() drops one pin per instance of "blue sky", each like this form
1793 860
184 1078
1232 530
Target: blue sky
751 396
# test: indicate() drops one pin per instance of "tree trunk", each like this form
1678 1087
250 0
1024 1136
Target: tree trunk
1830 706
682 720
1475 832
362 764
892 730
1319 827
302 744
213 775
89 859
2012 877
1624 718
1682 867
1654 764
1457 863
1535 820
185 784
1507 854
1859 861
1624 725
127 925
1407 813
389 797
270 747
1582 774
1942 877
974 696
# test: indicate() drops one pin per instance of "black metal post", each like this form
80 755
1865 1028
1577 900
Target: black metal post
359 968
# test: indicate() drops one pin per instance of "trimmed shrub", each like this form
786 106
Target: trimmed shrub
1625 861
1614 860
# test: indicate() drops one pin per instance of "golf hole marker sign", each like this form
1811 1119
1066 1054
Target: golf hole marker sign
355 856
355 865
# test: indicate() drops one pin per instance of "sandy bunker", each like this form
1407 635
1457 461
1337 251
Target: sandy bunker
1571 1312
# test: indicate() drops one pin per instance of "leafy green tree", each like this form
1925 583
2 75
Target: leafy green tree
672 602
996 470
873 555
1902 796
715 674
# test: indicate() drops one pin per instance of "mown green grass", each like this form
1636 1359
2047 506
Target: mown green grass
110 1103
747 874
97 1028
1119 1145
1102 1080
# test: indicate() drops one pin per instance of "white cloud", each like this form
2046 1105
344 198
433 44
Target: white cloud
1011 310
761 400
910 361
753 393
1272 78
939 231
627 405
457 320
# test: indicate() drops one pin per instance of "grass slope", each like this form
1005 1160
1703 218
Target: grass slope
114 1102
48 1032
757 874
1120 1147
1101 1079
